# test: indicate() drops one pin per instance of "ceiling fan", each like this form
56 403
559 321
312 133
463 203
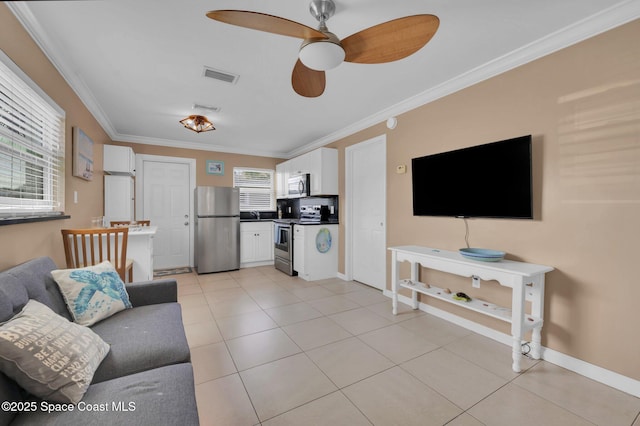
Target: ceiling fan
321 50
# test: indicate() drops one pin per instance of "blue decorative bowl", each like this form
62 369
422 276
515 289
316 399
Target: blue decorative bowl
483 255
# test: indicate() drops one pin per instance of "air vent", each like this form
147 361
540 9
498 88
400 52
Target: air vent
220 75
206 107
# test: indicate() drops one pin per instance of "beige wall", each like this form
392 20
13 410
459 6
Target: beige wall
201 157
582 106
21 242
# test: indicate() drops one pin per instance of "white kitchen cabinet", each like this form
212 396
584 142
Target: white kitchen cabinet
140 249
299 249
256 243
300 164
119 160
282 176
118 198
321 163
315 251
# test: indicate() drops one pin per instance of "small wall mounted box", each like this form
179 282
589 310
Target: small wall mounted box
401 169
392 122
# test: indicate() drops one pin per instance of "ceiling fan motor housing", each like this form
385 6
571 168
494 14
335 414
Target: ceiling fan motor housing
322 10
322 54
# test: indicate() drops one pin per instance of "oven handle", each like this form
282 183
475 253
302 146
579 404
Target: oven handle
277 234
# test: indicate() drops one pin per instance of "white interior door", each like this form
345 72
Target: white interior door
167 201
366 214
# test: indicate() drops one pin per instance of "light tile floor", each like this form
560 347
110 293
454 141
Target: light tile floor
268 349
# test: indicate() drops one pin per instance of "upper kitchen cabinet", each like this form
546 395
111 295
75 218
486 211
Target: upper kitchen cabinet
119 160
321 163
282 176
323 166
301 164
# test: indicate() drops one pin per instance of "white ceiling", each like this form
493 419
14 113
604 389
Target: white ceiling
138 65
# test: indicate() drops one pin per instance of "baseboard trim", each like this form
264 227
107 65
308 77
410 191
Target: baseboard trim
254 264
599 374
593 372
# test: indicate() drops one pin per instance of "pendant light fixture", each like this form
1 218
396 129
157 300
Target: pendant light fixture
197 123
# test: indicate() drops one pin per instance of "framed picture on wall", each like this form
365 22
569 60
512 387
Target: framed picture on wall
82 155
215 167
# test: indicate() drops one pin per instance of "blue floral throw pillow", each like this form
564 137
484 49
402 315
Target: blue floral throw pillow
92 293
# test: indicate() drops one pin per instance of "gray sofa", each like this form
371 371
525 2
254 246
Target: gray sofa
145 379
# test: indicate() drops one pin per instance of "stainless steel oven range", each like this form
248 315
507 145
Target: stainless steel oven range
283 246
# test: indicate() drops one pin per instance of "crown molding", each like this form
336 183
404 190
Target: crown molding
598 23
171 143
58 59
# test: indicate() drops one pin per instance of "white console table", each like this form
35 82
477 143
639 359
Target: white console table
526 281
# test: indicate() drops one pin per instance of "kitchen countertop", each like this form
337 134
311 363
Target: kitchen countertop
294 221
307 222
142 230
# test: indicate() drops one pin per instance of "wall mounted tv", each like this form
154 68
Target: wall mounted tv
491 180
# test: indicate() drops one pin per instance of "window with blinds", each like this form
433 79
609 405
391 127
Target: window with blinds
256 188
31 147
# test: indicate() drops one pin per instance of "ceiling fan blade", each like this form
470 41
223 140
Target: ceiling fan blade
307 82
390 41
264 22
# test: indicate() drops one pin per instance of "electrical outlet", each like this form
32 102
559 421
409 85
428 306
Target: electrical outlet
401 169
475 282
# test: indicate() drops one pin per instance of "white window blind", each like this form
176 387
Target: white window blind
256 188
31 147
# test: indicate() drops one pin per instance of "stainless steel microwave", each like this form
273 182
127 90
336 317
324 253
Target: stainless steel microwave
299 186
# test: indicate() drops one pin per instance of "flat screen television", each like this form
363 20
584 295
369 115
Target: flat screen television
491 180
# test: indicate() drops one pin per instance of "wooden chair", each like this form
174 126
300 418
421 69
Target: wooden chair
86 247
116 223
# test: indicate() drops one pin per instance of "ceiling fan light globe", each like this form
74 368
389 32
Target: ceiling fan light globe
321 55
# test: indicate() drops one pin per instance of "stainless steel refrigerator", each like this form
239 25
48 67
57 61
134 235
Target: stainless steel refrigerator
217 228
